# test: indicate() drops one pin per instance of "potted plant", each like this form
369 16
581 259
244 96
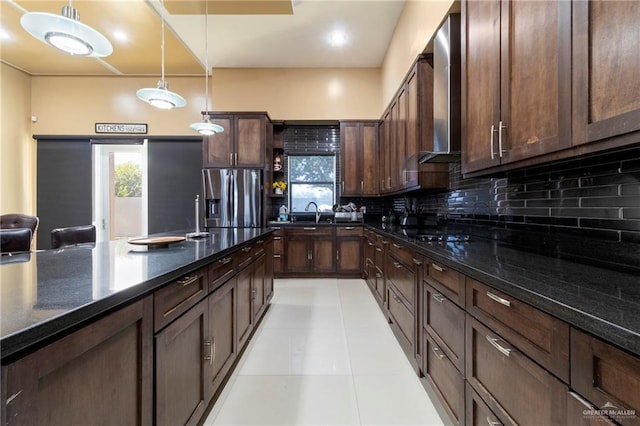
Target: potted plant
279 186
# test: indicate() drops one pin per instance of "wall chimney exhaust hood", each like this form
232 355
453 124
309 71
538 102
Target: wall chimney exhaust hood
446 94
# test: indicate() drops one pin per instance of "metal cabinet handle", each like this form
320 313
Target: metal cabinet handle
494 342
310 228
277 238
361 186
236 162
438 297
500 128
398 246
437 267
397 265
246 249
260 242
378 275
231 159
493 130
276 256
417 261
493 422
349 228
385 242
342 190
379 249
369 243
309 255
210 343
188 280
225 260
436 350
498 299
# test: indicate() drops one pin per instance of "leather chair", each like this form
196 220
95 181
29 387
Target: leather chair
15 240
73 235
17 221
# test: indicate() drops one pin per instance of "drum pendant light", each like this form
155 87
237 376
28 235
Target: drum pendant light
206 127
65 32
161 97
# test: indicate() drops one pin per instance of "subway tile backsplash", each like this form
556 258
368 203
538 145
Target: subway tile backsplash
597 196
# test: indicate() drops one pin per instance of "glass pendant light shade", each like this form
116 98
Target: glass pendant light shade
161 97
65 32
206 127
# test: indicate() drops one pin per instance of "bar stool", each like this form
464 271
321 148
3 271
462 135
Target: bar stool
73 235
12 227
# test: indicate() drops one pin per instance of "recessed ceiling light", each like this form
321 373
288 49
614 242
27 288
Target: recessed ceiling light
337 38
120 35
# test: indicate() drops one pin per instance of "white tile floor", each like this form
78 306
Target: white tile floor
323 355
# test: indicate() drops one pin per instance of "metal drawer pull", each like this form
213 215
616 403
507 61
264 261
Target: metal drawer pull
369 243
277 238
397 265
437 267
493 422
495 344
309 255
378 275
188 281
493 130
225 260
436 350
276 256
260 242
417 261
379 249
398 246
500 128
499 299
312 228
349 228
438 297
385 242
246 249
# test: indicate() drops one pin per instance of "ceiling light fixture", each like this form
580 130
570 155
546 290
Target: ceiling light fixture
206 127
160 96
65 32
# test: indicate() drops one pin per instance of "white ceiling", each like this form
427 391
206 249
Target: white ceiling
283 40
298 40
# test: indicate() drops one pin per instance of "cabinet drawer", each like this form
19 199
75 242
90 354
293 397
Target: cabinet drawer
582 413
403 280
445 379
605 375
402 253
258 247
401 316
477 413
540 336
446 280
177 297
349 231
277 244
243 257
515 388
220 271
444 321
310 230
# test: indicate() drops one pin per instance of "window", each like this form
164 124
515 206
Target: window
312 178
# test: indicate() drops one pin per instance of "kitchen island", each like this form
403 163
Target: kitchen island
86 321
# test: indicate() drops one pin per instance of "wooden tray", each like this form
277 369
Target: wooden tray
156 241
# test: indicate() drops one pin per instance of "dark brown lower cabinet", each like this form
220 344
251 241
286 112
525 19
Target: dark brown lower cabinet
606 376
476 411
224 349
401 319
183 376
349 260
244 293
258 287
514 387
103 371
582 413
444 378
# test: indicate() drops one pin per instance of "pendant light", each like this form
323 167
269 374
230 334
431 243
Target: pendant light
65 32
161 97
206 127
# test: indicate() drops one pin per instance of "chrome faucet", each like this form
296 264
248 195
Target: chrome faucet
306 209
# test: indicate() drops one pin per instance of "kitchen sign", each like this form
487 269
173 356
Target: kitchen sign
121 128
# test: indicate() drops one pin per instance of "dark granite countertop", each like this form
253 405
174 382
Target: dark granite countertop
604 302
304 223
46 293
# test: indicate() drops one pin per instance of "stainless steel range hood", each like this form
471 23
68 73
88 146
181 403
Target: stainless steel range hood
446 94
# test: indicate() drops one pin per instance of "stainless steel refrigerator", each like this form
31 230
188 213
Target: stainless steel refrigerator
233 198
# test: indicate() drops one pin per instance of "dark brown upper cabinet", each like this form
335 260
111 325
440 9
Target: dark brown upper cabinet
516 81
606 64
359 157
242 144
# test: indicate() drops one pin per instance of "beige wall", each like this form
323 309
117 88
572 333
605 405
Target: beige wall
418 22
17 149
300 93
